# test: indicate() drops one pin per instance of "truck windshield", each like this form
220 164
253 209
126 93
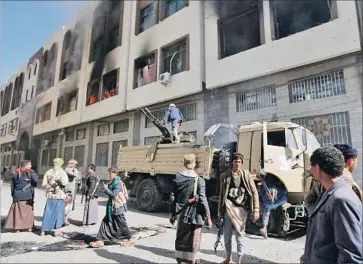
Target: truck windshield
313 143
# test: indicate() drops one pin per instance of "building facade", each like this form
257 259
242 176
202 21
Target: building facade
232 63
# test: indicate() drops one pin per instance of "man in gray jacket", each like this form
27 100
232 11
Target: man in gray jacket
335 227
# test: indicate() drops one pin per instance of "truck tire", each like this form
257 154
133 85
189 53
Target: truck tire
225 156
148 197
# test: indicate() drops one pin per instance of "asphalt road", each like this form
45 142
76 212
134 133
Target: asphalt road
154 241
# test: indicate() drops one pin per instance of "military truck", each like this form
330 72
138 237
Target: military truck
270 149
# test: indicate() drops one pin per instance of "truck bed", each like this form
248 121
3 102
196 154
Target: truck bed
166 158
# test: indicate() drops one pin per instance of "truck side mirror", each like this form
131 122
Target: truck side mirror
304 140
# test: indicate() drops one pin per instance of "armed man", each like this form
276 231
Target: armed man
176 117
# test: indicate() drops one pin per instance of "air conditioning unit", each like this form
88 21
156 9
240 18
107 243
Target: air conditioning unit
165 78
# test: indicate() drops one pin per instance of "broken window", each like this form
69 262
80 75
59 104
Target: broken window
110 84
67 103
93 92
148 16
81 134
102 154
256 99
291 17
121 126
114 36
64 70
177 54
43 113
145 70
240 30
173 6
103 130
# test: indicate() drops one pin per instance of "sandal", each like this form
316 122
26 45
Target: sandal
127 243
97 244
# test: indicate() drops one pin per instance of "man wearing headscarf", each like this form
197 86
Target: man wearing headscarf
350 156
54 182
75 180
173 113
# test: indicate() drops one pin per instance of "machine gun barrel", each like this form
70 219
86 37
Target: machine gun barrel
164 131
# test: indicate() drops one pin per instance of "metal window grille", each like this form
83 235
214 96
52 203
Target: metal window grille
328 129
79 155
102 154
45 157
256 99
121 126
68 154
52 156
322 86
103 130
115 147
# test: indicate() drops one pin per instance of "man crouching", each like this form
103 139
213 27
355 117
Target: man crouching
238 194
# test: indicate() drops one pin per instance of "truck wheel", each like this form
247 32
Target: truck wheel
225 156
148 197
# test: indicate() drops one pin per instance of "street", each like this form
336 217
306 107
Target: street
154 241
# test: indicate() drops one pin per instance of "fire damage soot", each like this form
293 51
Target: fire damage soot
75 241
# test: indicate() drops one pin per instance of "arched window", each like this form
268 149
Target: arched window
7 99
53 52
35 67
67 40
29 71
18 88
1 100
45 58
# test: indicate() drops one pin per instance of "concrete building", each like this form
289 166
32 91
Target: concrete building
232 63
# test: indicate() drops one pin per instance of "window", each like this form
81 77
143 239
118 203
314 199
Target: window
173 6
93 92
52 156
43 113
13 126
32 93
64 70
145 70
322 86
189 112
7 99
18 89
110 84
150 140
35 68
121 126
114 38
81 134
256 99
45 157
3 130
103 130
67 40
68 154
29 72
102 154
26 96
79 155
97 51
177 52
70 135
67 103
240 29
45 59
328 129
115 147
148 16
54 139
291 17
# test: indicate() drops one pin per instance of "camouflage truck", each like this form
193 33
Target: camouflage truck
271 149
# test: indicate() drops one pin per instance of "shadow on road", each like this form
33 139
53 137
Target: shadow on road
120 258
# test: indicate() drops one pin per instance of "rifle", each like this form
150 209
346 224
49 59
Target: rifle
219 225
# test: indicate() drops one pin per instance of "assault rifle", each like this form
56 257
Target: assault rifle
219 225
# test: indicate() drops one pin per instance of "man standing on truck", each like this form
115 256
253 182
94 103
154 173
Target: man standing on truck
176 117
350 156
334 232
238 194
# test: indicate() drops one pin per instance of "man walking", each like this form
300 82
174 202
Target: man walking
350 157
334 232
238 194
175 117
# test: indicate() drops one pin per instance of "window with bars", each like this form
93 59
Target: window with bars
68 154
79 155
115 147
149 140
52 156
103 130
121 126
189 112
102 154
45 157
81 134
328 129
318 87
256 99
70 135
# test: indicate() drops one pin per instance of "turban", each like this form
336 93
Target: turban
58 162
347 150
